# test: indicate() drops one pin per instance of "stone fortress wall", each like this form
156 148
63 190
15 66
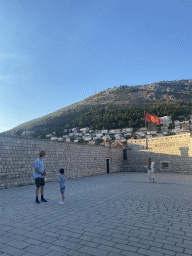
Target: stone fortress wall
170 153
17 156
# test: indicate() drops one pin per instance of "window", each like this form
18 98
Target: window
164 165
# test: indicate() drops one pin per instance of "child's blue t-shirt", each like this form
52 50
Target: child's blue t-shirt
62 180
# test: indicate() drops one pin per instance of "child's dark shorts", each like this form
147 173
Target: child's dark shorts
39 182
62 190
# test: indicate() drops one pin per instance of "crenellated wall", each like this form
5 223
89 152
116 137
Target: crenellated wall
17 156
170 153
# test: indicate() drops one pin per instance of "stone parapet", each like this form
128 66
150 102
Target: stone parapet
171 153
17 156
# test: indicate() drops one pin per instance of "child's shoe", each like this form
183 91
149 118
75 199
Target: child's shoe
61 202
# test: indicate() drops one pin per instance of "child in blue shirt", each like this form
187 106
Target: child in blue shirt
61 180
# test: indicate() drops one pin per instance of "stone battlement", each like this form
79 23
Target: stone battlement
171 153
17 156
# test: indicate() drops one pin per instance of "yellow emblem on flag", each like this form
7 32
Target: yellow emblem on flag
154 119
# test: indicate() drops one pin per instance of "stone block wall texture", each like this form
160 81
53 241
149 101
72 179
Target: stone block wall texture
170 153
17 156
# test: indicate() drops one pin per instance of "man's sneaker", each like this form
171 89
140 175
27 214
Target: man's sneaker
43 200
61 202
37 202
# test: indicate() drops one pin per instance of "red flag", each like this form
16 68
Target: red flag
152 118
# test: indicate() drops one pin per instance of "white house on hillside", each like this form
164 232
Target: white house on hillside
27 132
166 119
128 129
87 138
84 130
115 131
48 135
77 134
106 137
74 129
99 135
105 131
54 138
151 133
127 134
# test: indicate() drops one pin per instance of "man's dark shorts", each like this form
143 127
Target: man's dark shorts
39 182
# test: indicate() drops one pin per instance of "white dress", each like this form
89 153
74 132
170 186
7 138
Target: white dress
151 171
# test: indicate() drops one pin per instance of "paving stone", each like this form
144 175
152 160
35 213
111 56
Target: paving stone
59 249
2 245
104 242
90 244
90 235
33 241
119 241
39 250
188 251
5 240
139 219
128 253
186 246
149 253
73 246
173 248
93 251
109 248
29 254
187 241
183 254
126 247
87 238
161 250
164 241
18 244
53 253
139 245
112 254
12 251
75 253
151 243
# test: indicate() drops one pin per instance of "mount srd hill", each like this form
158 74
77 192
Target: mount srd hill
118 107
165 92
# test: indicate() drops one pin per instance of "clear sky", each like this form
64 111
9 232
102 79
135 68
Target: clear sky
54 53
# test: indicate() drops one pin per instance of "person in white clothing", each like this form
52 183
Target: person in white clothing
150 171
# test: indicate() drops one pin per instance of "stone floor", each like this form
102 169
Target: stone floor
112 214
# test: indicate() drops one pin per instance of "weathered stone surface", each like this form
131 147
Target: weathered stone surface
18 156
175 150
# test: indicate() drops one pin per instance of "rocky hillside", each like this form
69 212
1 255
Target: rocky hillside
165 95
165 92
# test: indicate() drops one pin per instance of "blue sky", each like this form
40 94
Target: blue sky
56 53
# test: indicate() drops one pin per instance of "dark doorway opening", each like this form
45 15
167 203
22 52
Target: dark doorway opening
124 154
107 164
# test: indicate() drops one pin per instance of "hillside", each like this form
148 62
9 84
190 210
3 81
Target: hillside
165 92
118 107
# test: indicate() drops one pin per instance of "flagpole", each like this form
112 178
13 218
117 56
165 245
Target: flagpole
146 132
